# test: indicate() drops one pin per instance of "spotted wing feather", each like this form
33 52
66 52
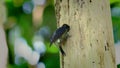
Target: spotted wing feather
57 34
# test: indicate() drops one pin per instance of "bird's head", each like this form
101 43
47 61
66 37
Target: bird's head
66 26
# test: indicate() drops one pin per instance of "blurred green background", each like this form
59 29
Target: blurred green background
31 21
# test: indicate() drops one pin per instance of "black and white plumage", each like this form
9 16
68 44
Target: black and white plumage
59 34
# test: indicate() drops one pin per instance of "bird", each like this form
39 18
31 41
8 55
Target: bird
60 34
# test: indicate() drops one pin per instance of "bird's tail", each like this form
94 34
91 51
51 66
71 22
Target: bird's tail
61 50
50 44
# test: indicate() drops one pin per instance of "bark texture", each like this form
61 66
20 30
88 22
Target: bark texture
91 42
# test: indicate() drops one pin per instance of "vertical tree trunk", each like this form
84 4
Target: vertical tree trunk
3 45
91 41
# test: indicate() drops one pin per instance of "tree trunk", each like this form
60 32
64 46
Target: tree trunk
91 41
3 45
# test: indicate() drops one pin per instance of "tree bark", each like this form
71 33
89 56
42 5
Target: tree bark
3 45
91 41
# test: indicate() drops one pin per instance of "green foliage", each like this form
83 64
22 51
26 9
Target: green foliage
116 28
25 23
114 1
52 49
49 18
17 66
51 60
118 66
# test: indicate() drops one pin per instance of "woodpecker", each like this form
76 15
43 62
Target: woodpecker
60 34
